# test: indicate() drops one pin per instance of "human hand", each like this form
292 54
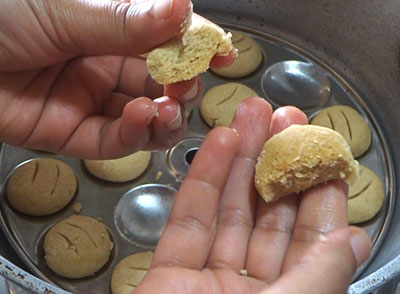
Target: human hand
219 226
71 81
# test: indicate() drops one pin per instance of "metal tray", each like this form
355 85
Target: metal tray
167 169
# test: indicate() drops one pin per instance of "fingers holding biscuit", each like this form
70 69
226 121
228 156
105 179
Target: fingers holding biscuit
342 250
322 209
274 221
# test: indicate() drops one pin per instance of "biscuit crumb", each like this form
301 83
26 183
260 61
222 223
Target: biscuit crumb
77 207
243 272
158 175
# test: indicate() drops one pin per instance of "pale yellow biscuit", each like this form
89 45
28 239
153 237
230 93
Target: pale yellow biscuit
129 272
41 186
302 156
188 55
365 197
248 59
77 247
349 123
120 170
219 103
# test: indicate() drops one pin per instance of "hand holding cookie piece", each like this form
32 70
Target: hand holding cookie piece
300 157
188 55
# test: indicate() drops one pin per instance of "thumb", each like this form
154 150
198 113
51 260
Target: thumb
93 27
329 265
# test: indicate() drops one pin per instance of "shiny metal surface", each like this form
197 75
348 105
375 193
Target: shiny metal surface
141 214
179 157
297 83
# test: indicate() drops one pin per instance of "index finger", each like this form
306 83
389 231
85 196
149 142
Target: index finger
191 225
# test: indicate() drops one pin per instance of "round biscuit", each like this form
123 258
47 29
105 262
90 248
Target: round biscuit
120 170
349 123
365 197
77 247
130 271
220 102
41 186
248 59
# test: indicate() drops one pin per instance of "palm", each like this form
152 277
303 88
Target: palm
205 281
219 225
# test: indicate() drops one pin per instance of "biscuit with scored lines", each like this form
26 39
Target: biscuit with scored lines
77 247
349 123
130 271
365 197
248 59
220 102
41 186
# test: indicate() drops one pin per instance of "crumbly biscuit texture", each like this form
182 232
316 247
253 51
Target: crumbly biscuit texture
120 170
300 157
365 197
77 247
248 59
220 102
129 272
41 187
349 123
188 55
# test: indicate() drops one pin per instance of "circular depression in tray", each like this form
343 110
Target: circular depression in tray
101 200
141 214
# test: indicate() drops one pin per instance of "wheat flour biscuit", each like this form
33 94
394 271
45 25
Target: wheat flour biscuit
189 54
220 102
130 271
77 247
300 157
365 197
41 186
248 59
120 170
349 123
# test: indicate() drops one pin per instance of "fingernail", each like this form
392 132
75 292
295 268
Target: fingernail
359 242
153 113
192 93
176 122
162 9
236 132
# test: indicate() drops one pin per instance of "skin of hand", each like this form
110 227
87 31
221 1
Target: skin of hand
219 226
71 81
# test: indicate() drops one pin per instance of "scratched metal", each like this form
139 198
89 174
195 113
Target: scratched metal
99 198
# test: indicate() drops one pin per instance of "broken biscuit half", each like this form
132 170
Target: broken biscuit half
300 157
